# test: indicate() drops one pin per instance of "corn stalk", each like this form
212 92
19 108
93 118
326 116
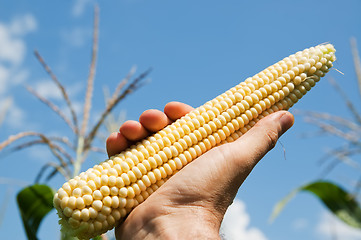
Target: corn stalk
69 152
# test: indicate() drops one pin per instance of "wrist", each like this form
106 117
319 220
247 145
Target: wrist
186 224
170 223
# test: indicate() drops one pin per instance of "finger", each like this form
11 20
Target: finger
116 143
154 120
133 130
175 110
245 153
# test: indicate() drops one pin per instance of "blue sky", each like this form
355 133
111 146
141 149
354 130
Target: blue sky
197 49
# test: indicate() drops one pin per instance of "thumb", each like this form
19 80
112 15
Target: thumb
260 139
244 153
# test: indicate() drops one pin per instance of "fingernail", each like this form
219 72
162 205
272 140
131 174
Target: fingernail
286 121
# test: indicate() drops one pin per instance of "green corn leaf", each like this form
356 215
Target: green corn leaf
34 203
341 203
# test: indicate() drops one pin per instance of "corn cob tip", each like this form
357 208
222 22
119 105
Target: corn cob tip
96 200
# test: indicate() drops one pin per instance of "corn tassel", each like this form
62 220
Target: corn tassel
96 200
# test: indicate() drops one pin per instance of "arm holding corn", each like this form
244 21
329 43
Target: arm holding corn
191 204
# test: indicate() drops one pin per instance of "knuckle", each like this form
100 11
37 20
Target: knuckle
271 137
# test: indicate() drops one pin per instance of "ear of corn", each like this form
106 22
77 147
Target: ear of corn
96 200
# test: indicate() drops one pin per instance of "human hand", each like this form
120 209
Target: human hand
192 203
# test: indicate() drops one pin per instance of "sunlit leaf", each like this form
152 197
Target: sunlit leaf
34 203
342 204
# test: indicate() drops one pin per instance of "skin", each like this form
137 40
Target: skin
192 203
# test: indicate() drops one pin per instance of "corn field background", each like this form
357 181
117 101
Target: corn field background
96 64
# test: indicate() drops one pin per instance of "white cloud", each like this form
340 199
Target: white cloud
12 46
23 25
10 113
12 54
15 117
236 223
4 107
4 76
331 227
11 76
79 7
77 36
48 90
19 76
300 224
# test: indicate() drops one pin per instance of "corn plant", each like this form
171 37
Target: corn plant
69 153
